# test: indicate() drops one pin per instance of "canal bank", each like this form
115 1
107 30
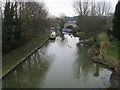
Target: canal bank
16 57
105 51
100 50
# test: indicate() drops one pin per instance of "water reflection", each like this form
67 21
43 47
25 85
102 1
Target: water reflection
52 41
83 65
96 70
62 40
86 71
62 36
31 73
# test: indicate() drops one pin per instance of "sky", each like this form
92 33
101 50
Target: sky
58 7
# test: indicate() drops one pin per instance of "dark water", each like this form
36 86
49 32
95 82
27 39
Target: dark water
64 63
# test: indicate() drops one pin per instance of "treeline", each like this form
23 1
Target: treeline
93 17
92 26
92 7
21 22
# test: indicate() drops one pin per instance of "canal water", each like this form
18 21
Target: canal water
63 63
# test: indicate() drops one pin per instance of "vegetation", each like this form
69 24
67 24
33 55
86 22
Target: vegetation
92 26
102 37
92 17
22 21
112 50
94 8
116 22
24 28
95 21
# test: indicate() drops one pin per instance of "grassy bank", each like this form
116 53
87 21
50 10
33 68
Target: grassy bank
106 50
16 56
112 50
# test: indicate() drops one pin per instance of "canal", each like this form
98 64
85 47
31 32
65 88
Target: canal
63 63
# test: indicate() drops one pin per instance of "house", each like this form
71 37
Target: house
70 23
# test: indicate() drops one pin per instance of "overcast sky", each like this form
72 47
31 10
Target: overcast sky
57 7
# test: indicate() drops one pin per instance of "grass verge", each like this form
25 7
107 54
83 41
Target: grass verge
113 50
22 56
102 37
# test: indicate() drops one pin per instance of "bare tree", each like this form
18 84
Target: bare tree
81 8
86 5
34 18
92 8
108 9
103 8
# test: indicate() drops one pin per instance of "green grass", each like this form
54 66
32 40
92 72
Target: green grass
41 39
90 39
113 50
115 43
102 37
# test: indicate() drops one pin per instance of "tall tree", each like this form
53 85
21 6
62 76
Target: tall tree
92 8
91 25
22 21
103 8
8 26
116 22
17 22
81 8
